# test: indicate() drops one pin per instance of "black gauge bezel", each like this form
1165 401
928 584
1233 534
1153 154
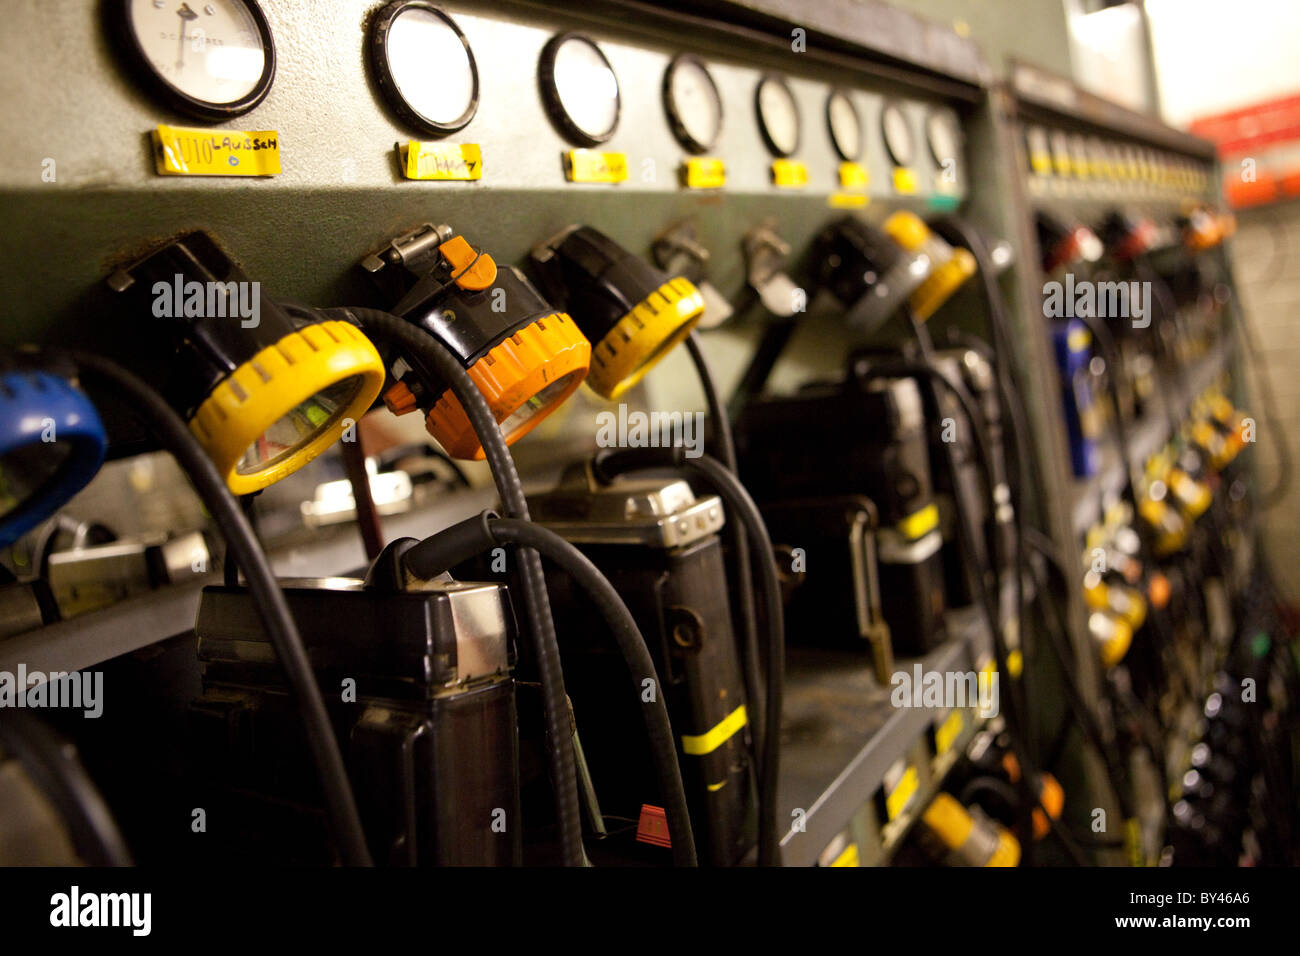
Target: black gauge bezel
771 143
377 47
551 94
936 115
118 13
830 124
884 134
689 142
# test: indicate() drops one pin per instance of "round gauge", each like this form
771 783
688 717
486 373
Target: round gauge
845 127
1097 158
944 137
1079 155
212 60
778 115
897 134
693 103
1037 143
579 89
424 66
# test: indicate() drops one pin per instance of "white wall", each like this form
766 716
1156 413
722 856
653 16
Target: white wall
1217 55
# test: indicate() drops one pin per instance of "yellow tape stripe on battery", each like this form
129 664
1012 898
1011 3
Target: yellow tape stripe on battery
711 740
642 337
919 522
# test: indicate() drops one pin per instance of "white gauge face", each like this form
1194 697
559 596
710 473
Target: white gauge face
586 86
209 51
898 135
1097 156
846 129
1036 139
431 66
779 114
1079 149
694 102
943 136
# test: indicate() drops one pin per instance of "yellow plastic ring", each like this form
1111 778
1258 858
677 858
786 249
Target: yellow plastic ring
637 342
275 380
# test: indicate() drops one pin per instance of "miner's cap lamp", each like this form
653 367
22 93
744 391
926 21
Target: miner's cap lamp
264 386
525 356
633 313
51 444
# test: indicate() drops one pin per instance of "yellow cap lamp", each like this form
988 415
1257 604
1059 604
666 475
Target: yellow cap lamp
633 313
264 386
950 268
1112 635
1202 229
971 837
1125 602
1220 447
1168 527
525 356
1194 496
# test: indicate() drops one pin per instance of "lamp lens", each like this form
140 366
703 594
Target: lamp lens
299 426
538 403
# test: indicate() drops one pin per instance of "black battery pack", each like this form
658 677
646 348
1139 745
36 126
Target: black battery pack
419 689
862 438
658 545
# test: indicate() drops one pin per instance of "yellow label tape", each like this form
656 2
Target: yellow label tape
896 800
1040 163
848 858
704 172
181 151
920 522
838 200
593 166
441 161
854 176
946 734
709 741
904 180
1133 842
789 173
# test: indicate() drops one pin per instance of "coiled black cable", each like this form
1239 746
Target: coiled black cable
989 602
58 774
537 604
340 806
725 448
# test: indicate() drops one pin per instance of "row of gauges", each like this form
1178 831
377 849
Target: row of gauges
1076 156
216 60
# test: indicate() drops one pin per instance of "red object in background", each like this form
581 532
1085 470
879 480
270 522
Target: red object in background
1267 133
652 828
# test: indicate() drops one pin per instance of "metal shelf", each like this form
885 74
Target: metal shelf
90 639
841 734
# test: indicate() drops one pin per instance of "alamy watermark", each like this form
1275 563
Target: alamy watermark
637 429
36 690
1100 300
944 690
133 911
179 299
